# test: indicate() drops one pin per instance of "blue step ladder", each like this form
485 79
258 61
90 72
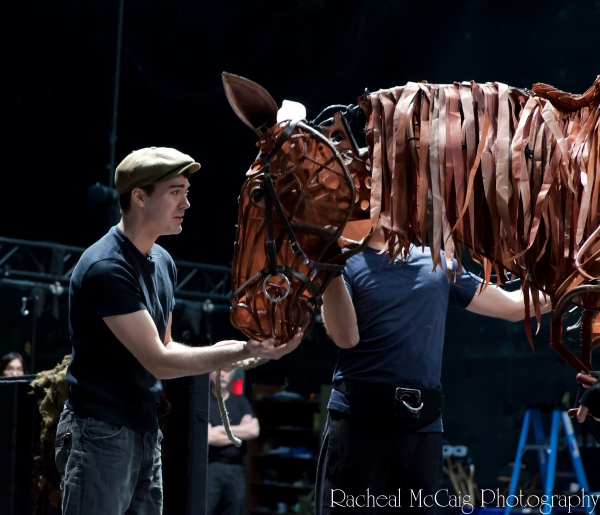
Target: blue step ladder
547 452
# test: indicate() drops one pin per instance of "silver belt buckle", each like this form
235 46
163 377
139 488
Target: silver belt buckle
408 402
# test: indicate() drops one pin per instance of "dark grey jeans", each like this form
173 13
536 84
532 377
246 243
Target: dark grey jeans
106 468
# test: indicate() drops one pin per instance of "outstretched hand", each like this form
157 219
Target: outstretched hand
590 400
267 349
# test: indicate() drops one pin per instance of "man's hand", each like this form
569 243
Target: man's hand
268 350
590 401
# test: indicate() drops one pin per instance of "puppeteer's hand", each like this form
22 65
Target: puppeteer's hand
590 400
268 350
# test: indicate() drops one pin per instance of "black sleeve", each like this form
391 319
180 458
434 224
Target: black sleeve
348 281
463 287
111 289
591 399
245 407
174 280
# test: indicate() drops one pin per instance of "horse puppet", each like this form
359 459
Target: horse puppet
511 174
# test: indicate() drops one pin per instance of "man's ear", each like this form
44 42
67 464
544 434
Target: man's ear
138 195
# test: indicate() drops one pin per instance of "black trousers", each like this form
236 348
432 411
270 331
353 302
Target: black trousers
366 468
225 489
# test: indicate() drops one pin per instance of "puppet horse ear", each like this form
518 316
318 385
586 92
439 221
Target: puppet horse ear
251 102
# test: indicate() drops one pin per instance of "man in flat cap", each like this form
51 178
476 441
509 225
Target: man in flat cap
120 304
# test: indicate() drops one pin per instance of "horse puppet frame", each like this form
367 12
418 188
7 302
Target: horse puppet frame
511 174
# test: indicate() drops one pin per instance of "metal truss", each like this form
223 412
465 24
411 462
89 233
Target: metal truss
29 264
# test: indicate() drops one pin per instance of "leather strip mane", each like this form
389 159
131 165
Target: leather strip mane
509 173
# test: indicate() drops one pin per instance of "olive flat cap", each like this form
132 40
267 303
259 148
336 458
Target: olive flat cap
150 166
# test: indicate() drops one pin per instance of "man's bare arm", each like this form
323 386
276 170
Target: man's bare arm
339 314
496 302
247 429
170 360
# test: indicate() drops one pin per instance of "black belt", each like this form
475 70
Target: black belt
404 407
226 459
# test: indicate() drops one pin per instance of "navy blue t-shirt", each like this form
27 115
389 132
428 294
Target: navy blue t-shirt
106 381
401 314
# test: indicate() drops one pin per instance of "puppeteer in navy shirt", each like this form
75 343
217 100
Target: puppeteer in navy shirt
401 314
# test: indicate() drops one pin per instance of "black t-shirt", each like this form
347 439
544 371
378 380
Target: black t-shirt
237 406
106 381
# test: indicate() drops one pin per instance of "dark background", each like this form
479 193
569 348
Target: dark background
57 85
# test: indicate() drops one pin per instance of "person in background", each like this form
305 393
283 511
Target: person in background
12 364
226 481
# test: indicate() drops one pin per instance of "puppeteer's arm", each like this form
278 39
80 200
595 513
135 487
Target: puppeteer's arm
339 314
495 302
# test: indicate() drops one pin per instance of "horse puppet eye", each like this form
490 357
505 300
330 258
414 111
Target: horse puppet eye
258 195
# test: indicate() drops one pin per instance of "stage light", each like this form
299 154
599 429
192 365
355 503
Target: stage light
102 194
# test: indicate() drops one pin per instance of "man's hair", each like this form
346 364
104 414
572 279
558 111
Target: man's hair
125 198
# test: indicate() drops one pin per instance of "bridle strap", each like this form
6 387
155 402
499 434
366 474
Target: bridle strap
271 199
270 245
279 143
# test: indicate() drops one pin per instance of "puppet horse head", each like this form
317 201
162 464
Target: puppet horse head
311 183
297 200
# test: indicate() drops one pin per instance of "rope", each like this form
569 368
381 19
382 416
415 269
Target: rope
249 363
224 415
243 364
